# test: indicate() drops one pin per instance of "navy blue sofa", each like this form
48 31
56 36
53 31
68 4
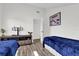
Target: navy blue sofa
8 47
64 46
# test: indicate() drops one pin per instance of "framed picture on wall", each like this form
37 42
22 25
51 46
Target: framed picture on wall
55 19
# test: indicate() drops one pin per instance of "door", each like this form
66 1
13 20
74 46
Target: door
41 30
38 29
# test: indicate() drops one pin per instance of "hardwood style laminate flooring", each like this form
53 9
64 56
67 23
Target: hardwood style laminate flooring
28 50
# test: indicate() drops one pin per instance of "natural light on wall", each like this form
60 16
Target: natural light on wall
35 53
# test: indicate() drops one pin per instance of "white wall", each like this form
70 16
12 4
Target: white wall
1 14
19 15
0 24
69 22
46 28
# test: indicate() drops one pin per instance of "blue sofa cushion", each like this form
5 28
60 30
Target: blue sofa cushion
11 44
65 46
67 51
4 51
67 41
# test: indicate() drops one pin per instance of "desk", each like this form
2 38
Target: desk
19 38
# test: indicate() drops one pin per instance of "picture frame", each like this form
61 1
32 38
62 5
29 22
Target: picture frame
55 19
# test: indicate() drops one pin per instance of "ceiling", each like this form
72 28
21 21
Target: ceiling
50 5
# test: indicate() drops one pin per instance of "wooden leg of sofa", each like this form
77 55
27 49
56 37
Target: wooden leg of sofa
43 45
